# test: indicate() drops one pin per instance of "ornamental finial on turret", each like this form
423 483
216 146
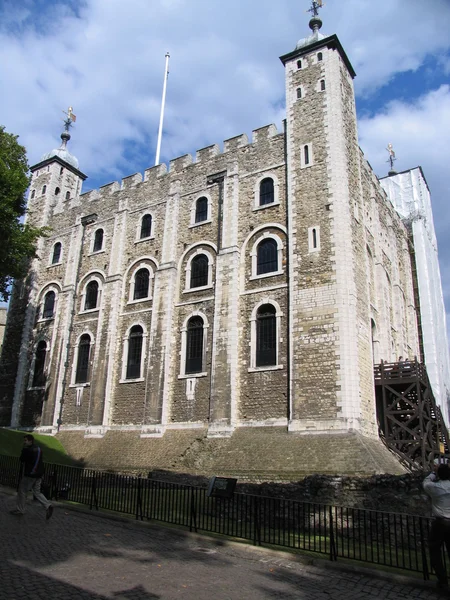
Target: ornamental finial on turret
315 22
68 122
392 158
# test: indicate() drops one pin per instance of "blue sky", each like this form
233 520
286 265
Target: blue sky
106 59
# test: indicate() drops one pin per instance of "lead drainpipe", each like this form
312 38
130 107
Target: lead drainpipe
87 220
218 178
288 246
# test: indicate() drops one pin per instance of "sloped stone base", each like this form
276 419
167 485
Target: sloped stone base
250 454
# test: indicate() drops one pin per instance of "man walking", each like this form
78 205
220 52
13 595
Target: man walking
437 486
33 471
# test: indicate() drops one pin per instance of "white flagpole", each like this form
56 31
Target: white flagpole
163 102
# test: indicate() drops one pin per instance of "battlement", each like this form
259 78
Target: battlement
131 181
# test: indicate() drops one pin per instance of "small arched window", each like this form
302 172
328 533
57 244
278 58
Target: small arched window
146 226
319 57
299 64
61 171
306 154
322 85
267 257
98 240
134 357
266 336
199 271
44 189
299 93
91 298
57 190
141 284
201 209
82 370
266 191
67 195
33 193
49 305
194 345
56 256
39 365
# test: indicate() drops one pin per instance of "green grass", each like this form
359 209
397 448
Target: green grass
11 443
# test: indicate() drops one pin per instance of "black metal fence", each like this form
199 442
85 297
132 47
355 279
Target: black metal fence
394 540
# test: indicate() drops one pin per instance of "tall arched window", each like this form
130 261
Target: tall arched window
44 189
91 297
306 154
194 345
141 284
82 370
201 209
199 271
56 256
49 305
266 336
98 240
146 226
134 357
67 195
266 191
319 57
39 365
57 190
33 193
267 257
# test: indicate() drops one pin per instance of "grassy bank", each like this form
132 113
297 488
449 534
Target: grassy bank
11 443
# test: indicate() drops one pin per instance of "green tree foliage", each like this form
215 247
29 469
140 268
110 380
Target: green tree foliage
17 240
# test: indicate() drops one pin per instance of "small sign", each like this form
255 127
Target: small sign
221 487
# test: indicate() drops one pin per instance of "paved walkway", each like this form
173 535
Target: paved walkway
79 556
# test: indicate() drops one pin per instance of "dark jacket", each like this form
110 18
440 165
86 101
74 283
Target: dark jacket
33 465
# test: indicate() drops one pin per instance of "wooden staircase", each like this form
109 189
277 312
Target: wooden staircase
409 420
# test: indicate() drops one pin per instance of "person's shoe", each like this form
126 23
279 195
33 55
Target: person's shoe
49 512
16 512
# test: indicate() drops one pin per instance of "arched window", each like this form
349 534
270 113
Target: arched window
322 85
57 190
44 189
49 305
199 271
319 57
299 93
194 345
98 240
134 357
33 193
61 171
146 226
141 284
91 298
39 365
56 253
299 64
306 154
266 336
267 257
84 348
266 191
201 209
67 195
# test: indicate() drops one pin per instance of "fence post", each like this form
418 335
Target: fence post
426 572
94 492
54 484
139 501
193 515
256 522
333 553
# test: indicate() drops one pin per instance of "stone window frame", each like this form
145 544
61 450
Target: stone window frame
137 267
314 239
321 85
92 241
303 163
253 332
33 194
139 227
51 287
187 280
300 64
41 338
52 253
276 191
87 280
73 383
67 196
125 345
254 256
183 350
300 92
320 57
208 219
